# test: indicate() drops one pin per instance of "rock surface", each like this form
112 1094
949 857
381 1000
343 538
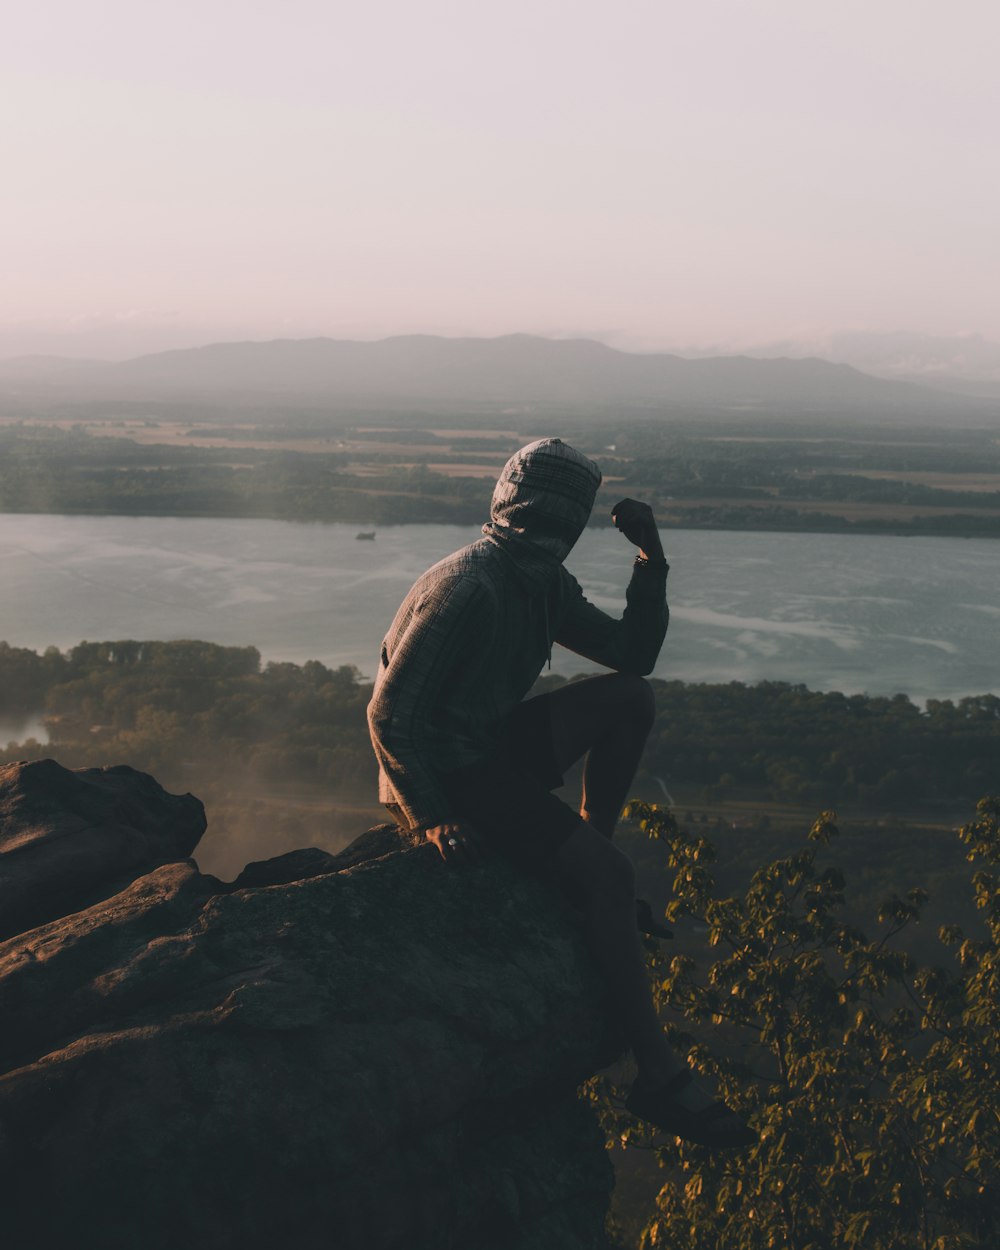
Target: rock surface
369 1051
69 838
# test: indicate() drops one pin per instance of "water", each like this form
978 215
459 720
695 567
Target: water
860 614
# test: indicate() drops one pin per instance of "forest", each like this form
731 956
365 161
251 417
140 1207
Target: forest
209 708
280 754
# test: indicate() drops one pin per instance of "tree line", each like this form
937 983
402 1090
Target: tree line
694 481
156 704
73 473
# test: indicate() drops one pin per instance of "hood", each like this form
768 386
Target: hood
543 500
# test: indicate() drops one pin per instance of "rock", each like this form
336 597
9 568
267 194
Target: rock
312 862
69 838
292 866
382 1056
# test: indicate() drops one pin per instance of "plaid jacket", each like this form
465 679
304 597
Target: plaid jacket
476 629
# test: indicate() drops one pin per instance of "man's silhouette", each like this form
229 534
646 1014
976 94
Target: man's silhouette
464 759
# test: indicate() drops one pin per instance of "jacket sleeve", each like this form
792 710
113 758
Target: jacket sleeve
446 633
629 644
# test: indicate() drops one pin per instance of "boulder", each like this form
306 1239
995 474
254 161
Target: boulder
381 1053
71 837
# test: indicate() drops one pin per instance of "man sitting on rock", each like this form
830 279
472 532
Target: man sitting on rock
465 760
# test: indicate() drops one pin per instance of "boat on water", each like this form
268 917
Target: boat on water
366 534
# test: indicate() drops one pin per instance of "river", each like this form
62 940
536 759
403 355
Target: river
855 613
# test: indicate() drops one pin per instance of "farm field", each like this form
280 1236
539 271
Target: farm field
318 466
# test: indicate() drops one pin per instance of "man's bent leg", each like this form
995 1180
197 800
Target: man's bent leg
608 719
600 880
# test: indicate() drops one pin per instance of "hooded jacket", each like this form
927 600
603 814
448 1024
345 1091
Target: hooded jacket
476 629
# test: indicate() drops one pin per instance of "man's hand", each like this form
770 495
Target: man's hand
635 520
458 841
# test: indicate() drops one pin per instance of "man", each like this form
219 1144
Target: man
464 759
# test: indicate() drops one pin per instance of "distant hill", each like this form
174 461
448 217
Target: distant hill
515 370
965 364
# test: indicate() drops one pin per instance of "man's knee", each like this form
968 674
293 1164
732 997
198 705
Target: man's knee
638 701
615 706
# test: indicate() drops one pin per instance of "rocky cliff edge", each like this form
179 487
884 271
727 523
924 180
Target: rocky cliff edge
367 1050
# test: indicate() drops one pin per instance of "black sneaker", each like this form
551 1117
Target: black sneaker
716 1126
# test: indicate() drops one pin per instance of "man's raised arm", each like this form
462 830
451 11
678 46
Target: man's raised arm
631 643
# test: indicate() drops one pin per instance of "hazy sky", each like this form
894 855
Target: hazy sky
718 171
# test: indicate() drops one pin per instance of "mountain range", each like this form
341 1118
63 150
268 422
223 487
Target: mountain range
515 370
967 364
